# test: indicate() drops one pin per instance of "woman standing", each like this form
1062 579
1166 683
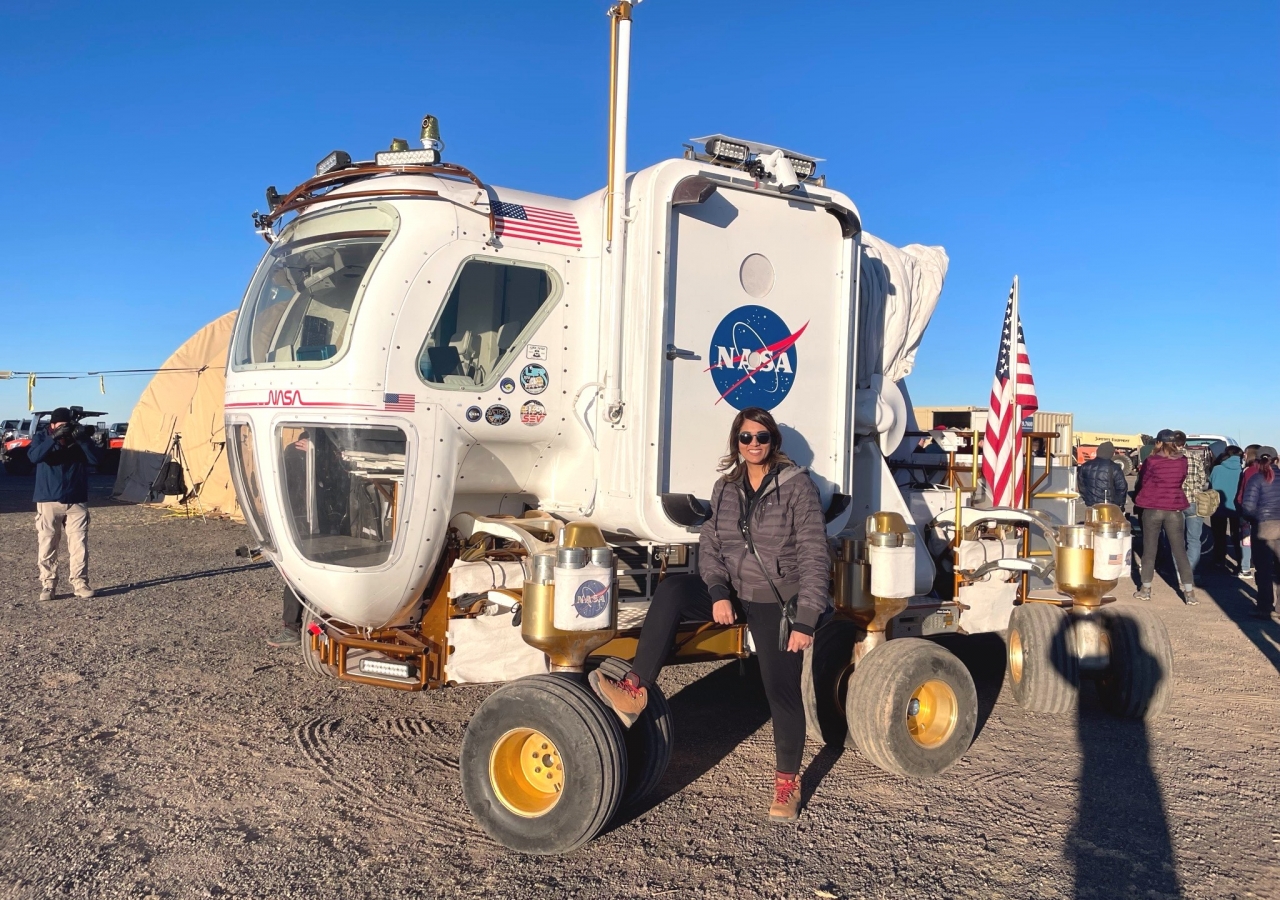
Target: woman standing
1225 479
1162 502
762 555
1261 503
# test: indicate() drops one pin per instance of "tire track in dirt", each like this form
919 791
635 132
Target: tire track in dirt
335 747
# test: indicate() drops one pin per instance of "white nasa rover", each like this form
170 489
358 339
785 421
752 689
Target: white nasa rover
474 426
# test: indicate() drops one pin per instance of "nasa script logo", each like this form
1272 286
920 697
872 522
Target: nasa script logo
753 357
590 599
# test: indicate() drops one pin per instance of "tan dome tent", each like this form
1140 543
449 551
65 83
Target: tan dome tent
188 402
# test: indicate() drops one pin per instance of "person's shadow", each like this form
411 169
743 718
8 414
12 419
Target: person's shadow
1120 844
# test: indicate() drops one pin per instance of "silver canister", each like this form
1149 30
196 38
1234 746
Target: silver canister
544 565
571 557
602 556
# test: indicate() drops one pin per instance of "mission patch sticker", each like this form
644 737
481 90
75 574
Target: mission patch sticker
532 412
507 386
497 414
535 351
534 379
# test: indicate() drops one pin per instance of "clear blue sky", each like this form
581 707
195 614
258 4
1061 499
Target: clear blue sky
1123 159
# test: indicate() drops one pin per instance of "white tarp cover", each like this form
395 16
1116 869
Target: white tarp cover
899 290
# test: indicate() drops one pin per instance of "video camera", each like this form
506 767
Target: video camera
72 429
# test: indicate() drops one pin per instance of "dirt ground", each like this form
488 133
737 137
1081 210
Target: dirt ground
152 746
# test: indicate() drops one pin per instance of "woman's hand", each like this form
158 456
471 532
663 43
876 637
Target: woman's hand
798 642
722 612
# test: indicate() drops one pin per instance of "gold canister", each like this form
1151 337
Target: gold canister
1073 566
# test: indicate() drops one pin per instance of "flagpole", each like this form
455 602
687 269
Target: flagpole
1015 326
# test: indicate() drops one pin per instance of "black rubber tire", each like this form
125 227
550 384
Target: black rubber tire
309 657
1049 679
1138 684
648 740
590 742
1126 464
880 692
828 664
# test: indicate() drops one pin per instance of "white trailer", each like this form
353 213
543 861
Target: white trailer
436 382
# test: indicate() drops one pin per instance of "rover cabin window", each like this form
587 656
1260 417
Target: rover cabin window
489 314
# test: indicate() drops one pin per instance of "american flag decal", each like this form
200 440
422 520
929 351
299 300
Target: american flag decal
398 402
531 223
1013 395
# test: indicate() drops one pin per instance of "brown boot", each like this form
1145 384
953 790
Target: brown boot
786 798
626 698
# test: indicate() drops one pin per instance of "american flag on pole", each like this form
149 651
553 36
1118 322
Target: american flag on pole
531 223
1013 395
398 402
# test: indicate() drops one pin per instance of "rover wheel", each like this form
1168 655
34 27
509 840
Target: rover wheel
912 707
310 657
1138 684
648 740
828 665
543 765
1043 671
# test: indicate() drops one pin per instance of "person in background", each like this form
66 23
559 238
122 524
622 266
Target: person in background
1148 444
62 455
1225 479
1163 504
1261 503
1197 480
1101 479
1246 527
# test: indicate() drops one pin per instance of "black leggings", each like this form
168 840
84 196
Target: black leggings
684 598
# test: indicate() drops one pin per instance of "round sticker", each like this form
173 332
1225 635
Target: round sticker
532 413
497 414
753 357
533 378
590 599
507 386
474 413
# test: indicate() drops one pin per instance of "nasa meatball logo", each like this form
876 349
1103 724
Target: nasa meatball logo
474 413
590 599
753 358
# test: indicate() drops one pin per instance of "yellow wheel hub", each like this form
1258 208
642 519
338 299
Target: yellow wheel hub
525 772
932 713
1015 655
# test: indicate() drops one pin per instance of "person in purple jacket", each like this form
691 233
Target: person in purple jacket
1162 501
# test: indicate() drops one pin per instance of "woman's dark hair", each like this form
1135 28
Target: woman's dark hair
1227 454
731 464
1251 453
1165 448
1267 468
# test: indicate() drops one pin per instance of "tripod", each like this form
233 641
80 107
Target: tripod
167 480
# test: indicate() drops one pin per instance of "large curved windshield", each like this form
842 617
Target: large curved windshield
301 305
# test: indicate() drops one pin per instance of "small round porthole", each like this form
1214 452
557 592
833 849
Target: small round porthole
756 275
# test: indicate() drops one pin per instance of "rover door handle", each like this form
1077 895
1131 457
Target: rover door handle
674 352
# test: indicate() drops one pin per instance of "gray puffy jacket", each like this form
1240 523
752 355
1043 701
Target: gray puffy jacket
789 533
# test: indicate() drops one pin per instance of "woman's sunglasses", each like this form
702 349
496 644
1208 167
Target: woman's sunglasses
763 438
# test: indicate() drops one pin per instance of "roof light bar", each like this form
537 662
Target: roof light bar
338 159
737 152
398 158
804 167
727 150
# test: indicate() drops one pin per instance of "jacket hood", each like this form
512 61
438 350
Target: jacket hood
1231 462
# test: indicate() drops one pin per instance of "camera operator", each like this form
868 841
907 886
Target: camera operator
62 456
